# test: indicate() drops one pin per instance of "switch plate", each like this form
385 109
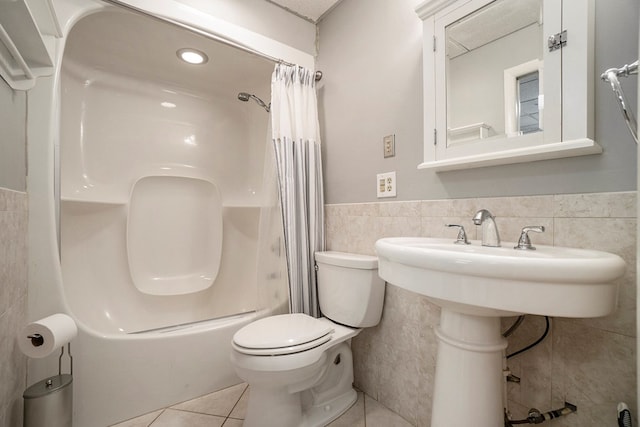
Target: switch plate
386 184
389 145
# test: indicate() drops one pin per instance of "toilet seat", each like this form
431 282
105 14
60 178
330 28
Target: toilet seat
281 335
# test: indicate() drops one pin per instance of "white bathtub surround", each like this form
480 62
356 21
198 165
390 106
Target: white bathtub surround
296 141
152 196
588 362
161 188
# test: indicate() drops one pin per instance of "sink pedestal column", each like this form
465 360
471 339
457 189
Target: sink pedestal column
468 382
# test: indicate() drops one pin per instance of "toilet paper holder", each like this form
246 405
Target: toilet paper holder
70 359
37 340
50 402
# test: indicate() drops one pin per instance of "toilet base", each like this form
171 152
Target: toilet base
273 409
318 416
312 402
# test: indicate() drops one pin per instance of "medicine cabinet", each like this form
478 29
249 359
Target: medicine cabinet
506 81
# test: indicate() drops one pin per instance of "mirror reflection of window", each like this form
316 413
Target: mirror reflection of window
528 109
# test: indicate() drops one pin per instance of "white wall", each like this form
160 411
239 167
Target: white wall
370 53
13 162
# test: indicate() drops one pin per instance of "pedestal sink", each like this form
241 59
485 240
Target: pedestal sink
476 285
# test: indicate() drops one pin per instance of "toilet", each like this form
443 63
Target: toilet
299 368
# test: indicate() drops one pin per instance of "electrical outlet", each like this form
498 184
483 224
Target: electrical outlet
389 145
386 184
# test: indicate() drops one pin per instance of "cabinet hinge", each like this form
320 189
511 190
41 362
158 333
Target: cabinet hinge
557 41
435 137
434 43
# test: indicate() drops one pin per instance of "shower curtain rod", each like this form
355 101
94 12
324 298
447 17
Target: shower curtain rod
206 34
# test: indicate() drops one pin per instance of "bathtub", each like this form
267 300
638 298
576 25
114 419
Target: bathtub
154 220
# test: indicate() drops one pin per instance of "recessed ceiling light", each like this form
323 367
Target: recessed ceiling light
192 56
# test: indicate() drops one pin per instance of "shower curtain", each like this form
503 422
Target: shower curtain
296 142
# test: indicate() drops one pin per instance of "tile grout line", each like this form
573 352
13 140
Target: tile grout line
156 418
364 408
236 404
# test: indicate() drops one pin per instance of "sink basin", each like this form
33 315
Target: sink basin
475 285
475 279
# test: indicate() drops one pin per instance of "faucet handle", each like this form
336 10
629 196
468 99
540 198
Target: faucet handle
462 235
524 243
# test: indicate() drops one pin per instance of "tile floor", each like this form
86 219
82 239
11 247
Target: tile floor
227 407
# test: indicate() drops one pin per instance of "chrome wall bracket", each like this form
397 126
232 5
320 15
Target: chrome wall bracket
557 41
611 76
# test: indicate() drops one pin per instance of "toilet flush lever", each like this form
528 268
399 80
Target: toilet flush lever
462 235
524 243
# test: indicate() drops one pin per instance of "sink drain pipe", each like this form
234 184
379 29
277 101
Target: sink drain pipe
536 417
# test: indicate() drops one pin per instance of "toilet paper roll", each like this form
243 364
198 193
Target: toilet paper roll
42 337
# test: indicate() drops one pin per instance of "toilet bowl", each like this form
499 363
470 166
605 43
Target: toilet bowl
299 368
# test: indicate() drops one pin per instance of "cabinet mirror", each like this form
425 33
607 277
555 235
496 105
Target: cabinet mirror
506 81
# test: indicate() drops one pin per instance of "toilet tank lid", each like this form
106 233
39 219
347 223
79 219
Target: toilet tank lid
344 259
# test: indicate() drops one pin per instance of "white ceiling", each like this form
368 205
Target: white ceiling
312 10
490 23
133 45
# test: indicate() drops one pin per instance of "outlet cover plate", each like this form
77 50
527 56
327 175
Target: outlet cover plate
386 184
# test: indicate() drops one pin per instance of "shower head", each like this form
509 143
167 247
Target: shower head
244 97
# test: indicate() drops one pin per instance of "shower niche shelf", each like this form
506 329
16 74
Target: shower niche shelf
96 202
241 206
90 207
174 234
28 29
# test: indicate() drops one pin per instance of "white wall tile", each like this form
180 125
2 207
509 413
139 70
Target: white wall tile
13 304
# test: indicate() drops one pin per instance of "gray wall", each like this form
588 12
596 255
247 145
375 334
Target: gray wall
13 162
371 55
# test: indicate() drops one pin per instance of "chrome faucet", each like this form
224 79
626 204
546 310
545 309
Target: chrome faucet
524 242
462 235
490 236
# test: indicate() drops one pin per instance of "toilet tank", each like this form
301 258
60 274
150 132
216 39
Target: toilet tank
350 292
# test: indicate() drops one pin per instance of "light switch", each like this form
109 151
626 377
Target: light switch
389 145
